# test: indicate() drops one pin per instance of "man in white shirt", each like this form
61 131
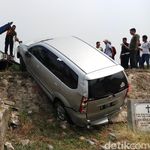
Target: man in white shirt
145 47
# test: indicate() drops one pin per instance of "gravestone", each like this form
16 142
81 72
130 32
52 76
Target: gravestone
139 115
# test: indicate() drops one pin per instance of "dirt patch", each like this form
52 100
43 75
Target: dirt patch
139 81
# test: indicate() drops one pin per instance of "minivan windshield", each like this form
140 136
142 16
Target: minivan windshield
106 86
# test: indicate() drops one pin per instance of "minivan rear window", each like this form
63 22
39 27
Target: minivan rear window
109 85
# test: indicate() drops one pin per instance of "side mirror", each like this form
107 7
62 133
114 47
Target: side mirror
27 54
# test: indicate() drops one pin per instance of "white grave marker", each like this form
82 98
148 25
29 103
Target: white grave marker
139 115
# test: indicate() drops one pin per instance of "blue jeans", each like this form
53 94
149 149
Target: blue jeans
145 57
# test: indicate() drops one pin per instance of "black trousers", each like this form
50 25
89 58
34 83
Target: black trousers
133 59
10 44
125 61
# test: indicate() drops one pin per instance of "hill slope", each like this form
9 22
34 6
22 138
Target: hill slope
38 129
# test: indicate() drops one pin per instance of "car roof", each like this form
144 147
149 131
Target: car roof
80 53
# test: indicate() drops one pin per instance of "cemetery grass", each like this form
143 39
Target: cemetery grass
42 133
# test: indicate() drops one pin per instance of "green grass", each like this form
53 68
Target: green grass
40 132
33 146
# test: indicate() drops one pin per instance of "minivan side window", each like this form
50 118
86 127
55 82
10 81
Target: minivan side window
56 66
36 51
69 77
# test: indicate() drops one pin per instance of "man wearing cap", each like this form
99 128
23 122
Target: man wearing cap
108 48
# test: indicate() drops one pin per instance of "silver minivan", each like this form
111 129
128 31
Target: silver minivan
86 86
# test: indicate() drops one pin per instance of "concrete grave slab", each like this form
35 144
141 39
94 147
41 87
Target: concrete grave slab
139 115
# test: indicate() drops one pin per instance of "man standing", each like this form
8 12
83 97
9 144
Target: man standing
108 48
134 44
9 39
125 54
98 46
145 47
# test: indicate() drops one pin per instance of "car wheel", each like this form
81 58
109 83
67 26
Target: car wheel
60 111
22 64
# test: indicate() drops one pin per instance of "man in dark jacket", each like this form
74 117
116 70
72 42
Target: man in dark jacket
125 53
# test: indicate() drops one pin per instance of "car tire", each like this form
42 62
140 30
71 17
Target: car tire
22 64
60 111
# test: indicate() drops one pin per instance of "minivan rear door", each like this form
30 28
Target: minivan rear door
106 95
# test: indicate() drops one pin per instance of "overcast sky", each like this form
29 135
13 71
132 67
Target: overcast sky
91 20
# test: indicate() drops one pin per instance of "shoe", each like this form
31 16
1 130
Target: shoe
5 56
12 57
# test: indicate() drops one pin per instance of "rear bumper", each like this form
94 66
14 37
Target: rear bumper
77 118
103 120
82 121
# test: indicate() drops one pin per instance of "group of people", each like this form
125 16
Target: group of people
134 52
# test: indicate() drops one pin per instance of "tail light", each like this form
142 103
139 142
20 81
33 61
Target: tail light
128 89
83 105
